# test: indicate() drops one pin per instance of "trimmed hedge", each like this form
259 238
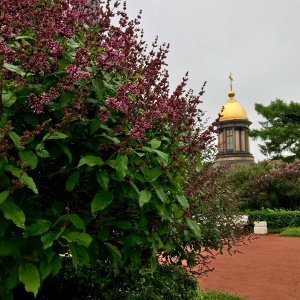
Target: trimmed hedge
276 218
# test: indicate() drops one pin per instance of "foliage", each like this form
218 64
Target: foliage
281 130
216 208
97 156
269 184
291 232
165 283
276 218
217 295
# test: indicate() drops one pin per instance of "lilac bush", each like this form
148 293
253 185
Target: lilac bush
97 157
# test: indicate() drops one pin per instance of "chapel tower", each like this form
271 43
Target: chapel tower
233 140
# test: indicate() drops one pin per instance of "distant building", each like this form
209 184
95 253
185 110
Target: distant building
233 140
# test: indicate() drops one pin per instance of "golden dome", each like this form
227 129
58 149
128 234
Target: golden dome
232 110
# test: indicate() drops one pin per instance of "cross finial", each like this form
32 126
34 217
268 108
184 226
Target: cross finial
231 79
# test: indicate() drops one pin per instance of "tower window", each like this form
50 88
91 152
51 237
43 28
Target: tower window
229 140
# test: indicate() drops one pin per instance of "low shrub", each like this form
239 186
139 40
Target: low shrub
291 232
97 282
276 218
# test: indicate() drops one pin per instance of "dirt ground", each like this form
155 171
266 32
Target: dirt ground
267 268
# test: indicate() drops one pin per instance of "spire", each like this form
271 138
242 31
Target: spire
231 93
231 79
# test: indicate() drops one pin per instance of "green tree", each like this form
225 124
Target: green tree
267 184
281 130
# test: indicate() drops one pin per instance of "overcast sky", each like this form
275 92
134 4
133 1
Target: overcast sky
258 41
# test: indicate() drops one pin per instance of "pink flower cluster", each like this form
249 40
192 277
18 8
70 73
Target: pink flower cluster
110 56
74 72
103 115
37 103
139 127
117 104
6 53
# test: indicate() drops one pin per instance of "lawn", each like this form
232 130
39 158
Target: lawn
217 295
291 232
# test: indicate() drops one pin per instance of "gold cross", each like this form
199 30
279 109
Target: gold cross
231 79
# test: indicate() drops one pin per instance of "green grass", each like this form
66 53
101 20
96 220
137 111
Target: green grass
291 232
217 295
275 230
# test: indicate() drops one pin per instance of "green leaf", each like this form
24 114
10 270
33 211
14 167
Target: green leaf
199 166
12 212
72 180
112 163
84 239
41 151
103 178
155 143
95 125
16 139
5 293
143 222
38 228
24 37
8 249
103 233
15 69
123 225
13 170
24 178
163 157
75 260
183 201
45 268
3 196
29 182
154 264
129 191
159 191
29 157
48 238
135 258
9 99
82 253
77 221
4 225
162 210
66 150
134 186
3 163
56 135
81 238
151 174
90 161
56 265
101 200
29 276
193 225
113 138
99 89
70 236
113 249
13 278
121 165
144 197
65 98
